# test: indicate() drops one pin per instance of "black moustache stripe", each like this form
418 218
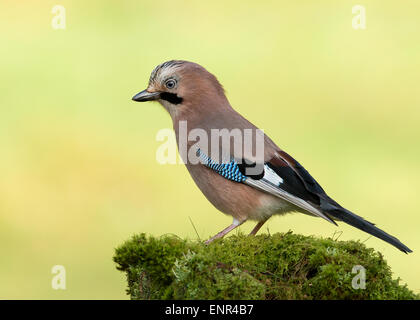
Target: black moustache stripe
171 97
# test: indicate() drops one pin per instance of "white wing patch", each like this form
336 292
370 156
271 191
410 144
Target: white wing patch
272 176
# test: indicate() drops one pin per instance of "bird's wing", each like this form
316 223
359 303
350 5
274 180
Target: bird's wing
281 179
277 178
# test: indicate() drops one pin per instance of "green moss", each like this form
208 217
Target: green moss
281 266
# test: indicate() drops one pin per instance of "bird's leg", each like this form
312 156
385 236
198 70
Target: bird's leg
224 232
257 228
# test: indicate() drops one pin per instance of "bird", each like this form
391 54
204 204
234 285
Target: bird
239 184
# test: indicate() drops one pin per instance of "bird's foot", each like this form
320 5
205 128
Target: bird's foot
224 232
257 228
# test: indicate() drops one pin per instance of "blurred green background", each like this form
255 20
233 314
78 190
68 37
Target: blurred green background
77 162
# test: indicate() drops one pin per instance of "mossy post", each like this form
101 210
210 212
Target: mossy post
280 266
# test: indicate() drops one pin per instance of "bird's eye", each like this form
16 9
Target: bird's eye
170 84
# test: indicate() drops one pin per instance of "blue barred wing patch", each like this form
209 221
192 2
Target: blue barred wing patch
228 170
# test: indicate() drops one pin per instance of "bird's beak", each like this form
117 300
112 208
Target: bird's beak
146 96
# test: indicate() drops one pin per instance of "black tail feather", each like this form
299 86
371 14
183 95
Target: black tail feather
339 213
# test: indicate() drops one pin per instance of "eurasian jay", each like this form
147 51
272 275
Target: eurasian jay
277 185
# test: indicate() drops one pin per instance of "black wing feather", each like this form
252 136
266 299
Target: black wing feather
327 205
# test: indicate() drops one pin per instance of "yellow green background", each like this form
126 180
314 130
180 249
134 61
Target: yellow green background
78 173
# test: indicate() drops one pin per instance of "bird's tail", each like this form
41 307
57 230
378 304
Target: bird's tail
337 212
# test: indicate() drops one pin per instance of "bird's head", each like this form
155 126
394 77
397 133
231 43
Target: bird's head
182 86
